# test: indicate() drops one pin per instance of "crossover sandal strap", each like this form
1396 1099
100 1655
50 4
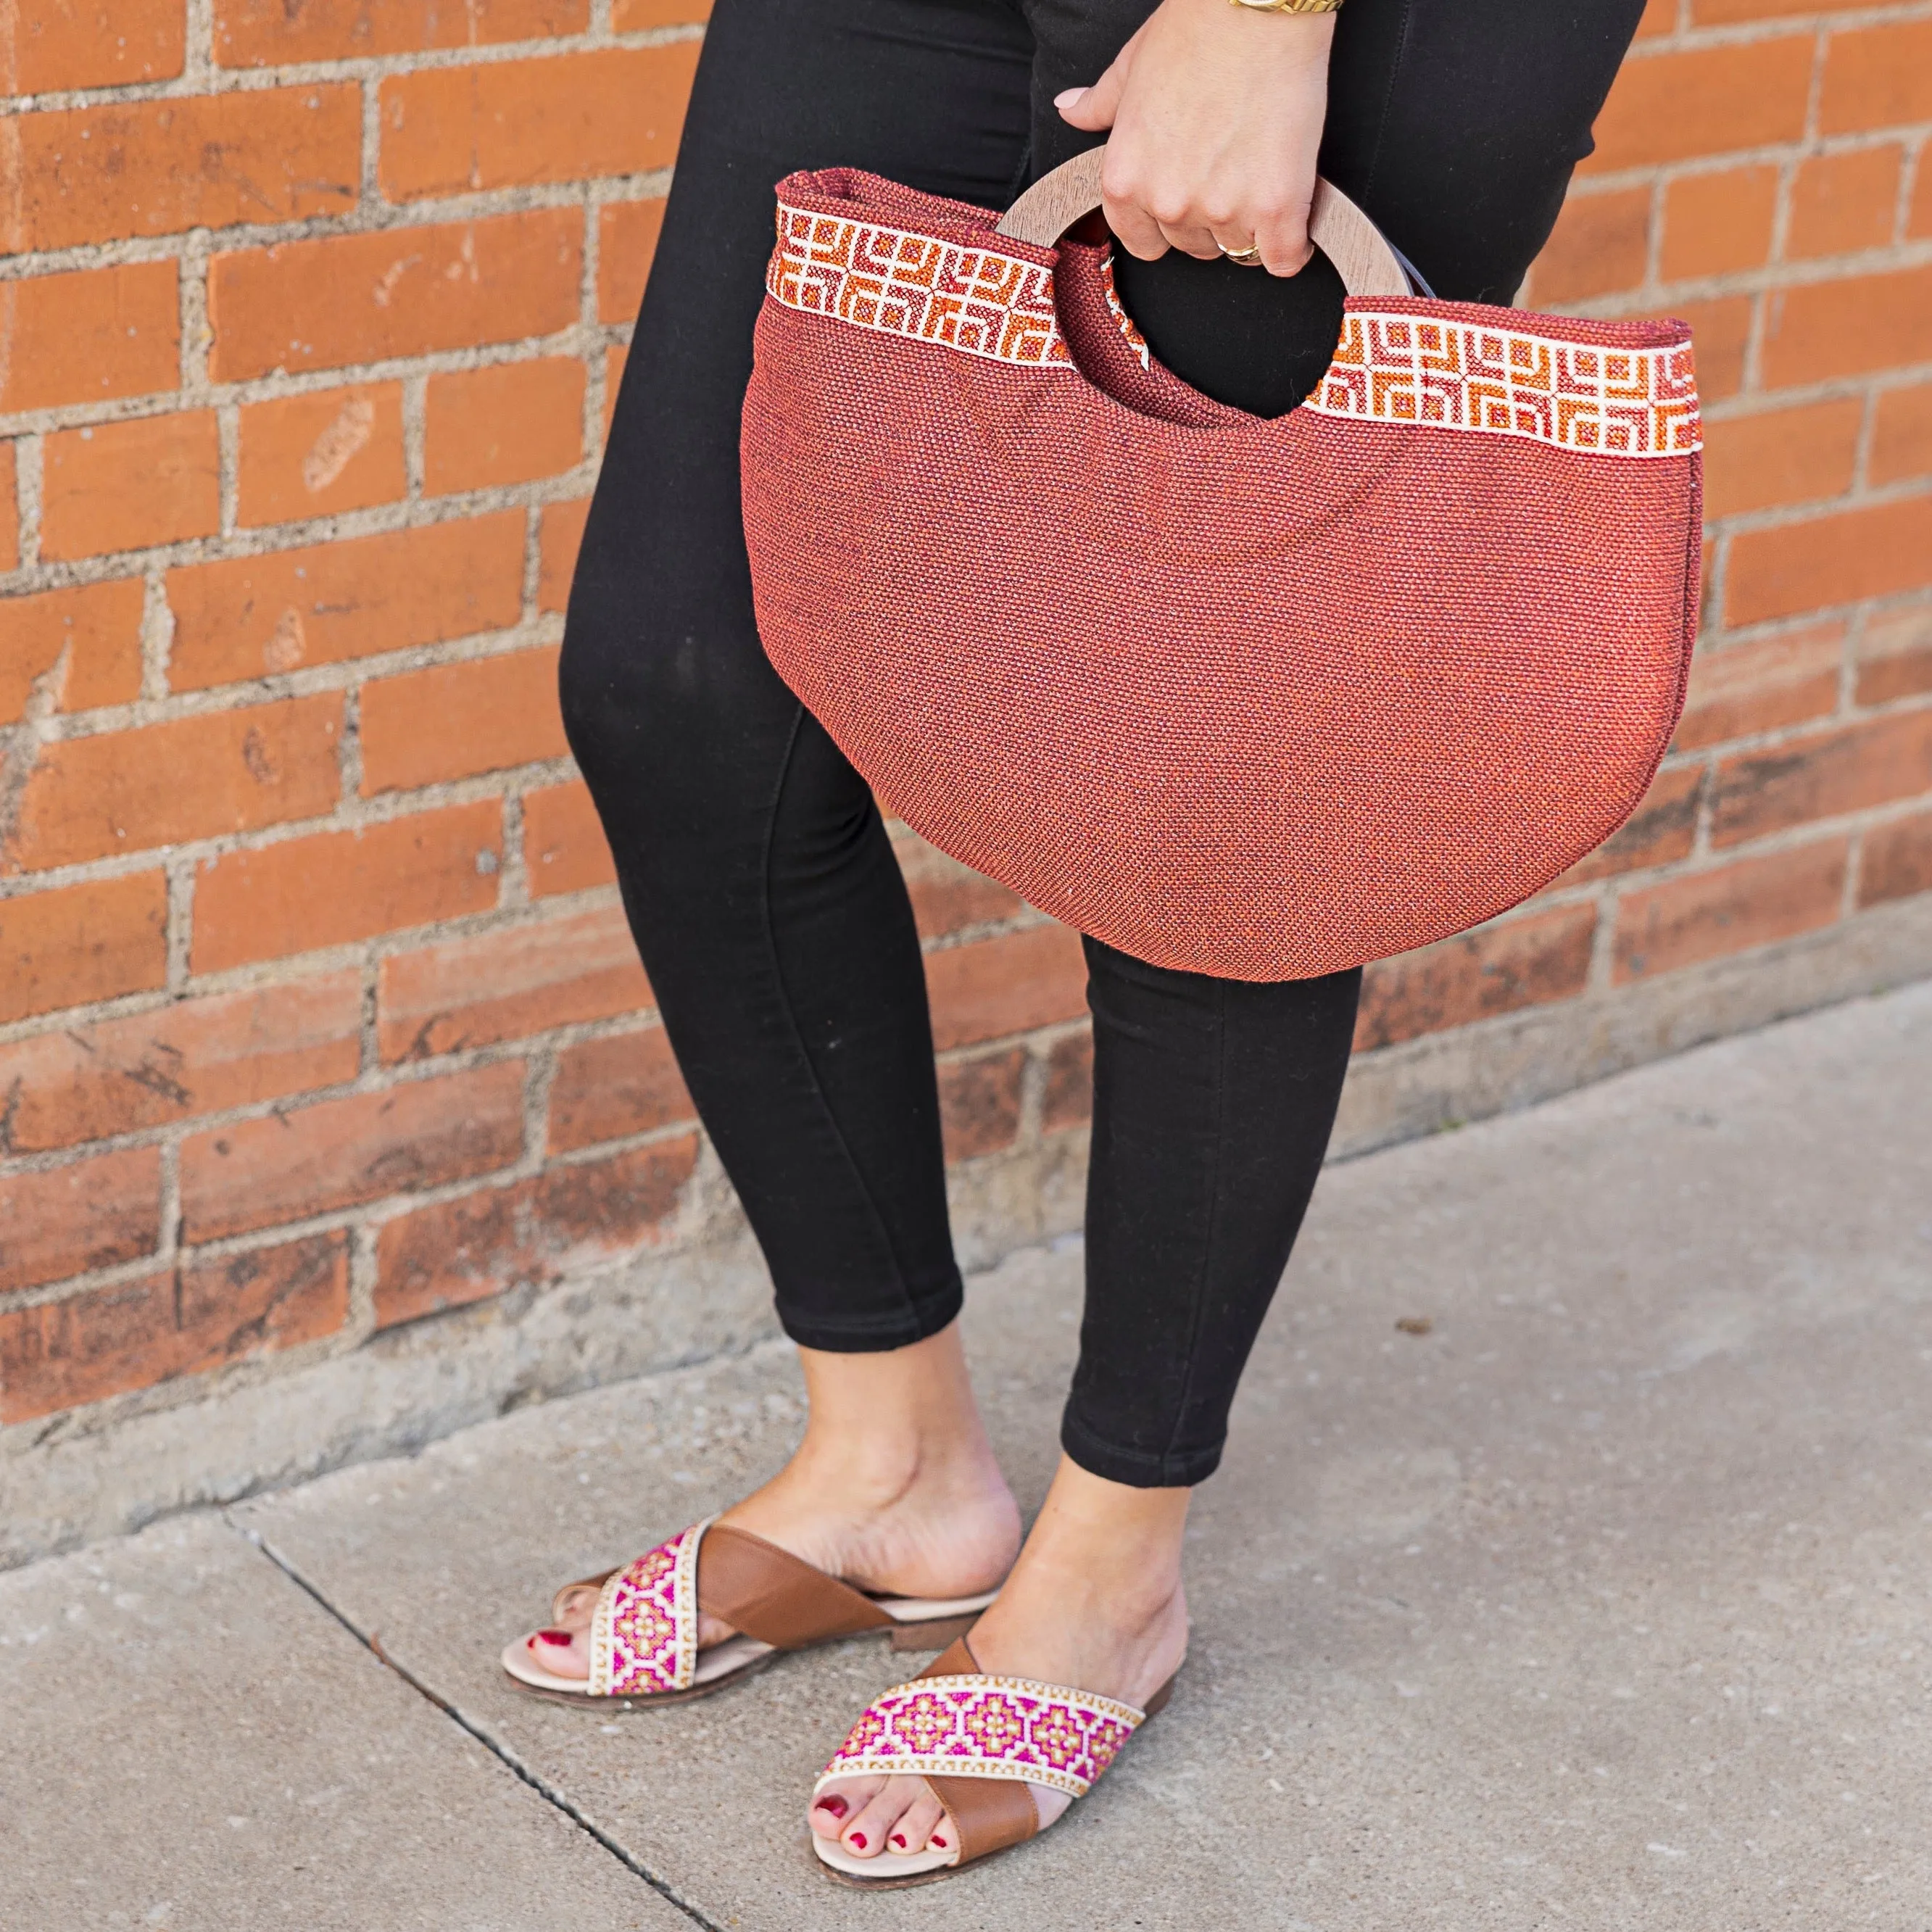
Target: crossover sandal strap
979 1741
779 1598
643 1632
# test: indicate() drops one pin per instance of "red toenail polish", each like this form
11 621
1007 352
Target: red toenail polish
557 1636
835 1804
937 1839
898 1837
858 1839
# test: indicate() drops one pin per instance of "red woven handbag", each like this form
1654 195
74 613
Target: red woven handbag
1261 699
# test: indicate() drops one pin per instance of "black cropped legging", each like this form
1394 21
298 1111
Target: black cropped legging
757 876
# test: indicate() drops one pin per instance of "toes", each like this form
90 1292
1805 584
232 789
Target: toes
563 1653
835 1807
922 1815
573 1606
870 1833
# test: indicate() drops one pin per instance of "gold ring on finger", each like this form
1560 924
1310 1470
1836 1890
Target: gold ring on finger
1250 257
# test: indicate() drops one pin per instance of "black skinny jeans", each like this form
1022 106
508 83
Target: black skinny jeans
758 879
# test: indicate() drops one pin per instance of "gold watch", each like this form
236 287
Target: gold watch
1289 6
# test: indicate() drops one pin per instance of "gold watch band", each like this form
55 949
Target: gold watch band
1289 6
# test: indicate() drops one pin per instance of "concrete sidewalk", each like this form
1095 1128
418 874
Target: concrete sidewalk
1606 1602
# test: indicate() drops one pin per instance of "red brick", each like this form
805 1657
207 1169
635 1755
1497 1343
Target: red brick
1660 17
300 1161
990 988
1843 202
1069 1098
1847 328
453 720
627 239
317 304
1720 333
50 46
1898 861
1902 435
635 16
462 1251
1675 105
1600 245
560 536
318 454
337 887
231 771
1782 456
10 513
455 130
89 1214
1739 688
1918 217
1714 224
1894 657
504 985
1831 560
1724 12
946 896
97 625
1659 832
250 616
510 423
89 336
270 33
202 1056
1849 769
79 943
159 167
609 1089
1526 961
980 1103
564 850
1877 76
125 485
134 1335
1749 902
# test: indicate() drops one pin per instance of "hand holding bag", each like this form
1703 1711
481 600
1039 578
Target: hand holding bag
1260 699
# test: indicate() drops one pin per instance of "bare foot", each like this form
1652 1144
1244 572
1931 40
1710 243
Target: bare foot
895 1488
1095 1602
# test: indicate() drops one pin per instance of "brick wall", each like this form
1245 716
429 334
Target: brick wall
318 1014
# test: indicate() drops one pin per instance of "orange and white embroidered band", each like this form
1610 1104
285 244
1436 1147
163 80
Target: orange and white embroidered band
1390 367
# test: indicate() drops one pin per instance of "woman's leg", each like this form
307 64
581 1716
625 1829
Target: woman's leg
1455 124
760 884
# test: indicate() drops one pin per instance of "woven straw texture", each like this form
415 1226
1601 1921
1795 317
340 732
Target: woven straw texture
1263 700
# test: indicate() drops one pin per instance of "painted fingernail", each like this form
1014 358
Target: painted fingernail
937 1839
858 1839
898 1837
557 1636
835 1804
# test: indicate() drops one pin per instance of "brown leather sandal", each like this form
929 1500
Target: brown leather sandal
978 1742
643 1633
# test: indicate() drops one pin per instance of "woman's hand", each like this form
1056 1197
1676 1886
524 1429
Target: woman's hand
1216 113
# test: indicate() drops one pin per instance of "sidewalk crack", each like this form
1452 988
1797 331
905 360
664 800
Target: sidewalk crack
552 1794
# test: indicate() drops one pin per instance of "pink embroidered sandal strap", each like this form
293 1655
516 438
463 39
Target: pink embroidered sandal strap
643 1632
979 1741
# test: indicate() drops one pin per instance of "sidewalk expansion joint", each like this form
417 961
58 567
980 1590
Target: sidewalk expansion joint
372 1642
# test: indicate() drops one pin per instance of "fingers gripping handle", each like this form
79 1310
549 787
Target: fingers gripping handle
1367 265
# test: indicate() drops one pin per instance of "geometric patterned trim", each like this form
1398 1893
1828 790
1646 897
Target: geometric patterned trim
976 300
1391 366
1400 367
643 1632
975 1726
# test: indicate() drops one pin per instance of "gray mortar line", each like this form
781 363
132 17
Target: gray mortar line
552 1794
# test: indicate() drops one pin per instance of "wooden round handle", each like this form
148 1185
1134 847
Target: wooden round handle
1367 265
